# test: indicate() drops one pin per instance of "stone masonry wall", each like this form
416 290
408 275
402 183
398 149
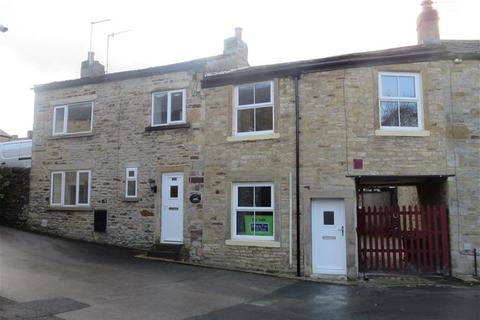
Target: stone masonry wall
463 132
229 162
451 111
14 192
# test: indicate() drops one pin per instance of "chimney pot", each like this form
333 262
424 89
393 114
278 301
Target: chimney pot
427 24
238 33
91 57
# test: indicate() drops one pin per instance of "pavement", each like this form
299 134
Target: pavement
46 278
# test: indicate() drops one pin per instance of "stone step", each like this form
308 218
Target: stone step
166 251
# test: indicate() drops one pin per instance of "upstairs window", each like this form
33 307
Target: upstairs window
400 103
73 118
70 188
168 107
253 108
131 182
252 214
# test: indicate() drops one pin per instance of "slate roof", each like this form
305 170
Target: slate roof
443 50
4 134
197 64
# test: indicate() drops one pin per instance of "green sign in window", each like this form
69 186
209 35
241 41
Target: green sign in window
261 226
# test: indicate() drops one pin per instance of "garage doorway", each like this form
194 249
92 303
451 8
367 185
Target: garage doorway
402 225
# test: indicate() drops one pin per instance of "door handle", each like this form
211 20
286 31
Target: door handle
172 208
342 229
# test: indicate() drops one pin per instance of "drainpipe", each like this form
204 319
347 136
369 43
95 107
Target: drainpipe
297 168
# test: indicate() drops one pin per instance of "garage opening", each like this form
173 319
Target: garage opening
402 224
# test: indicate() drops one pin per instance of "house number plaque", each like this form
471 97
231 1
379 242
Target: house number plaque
195 198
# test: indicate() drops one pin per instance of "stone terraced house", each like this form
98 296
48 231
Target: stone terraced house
268 168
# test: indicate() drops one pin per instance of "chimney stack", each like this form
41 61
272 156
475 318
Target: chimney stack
91 67
235 45
427 24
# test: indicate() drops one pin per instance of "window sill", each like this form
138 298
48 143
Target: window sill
401 133
269 136
133 199
70 135
70 208
168 127
253 243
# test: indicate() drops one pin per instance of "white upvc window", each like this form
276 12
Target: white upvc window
400 105
253 211
73 118
70 188
169 107
253 109
131 182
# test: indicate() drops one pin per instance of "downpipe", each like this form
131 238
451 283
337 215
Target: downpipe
297 168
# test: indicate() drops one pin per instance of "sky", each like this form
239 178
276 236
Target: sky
48 39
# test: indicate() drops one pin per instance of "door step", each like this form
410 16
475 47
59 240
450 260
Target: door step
166 251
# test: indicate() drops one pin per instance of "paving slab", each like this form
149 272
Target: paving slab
39 309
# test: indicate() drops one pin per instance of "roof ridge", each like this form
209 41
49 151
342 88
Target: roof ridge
121 75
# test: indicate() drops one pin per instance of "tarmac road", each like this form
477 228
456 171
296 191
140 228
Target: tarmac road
49 278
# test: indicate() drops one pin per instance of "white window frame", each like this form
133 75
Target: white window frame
237 107
169 107
236 208
62 189
417 99
65 119
134 178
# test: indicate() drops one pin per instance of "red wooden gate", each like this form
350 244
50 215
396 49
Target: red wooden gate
413 239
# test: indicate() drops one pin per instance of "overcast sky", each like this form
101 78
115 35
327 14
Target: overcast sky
48 39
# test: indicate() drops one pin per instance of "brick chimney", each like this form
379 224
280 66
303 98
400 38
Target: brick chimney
91 67
427 24
235 45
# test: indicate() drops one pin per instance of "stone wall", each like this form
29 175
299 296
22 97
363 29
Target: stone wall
14 193
462 109
229 161
408 196
339 112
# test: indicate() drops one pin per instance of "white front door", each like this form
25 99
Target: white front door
328 237
172 208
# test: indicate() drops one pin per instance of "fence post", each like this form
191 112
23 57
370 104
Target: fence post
475 271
